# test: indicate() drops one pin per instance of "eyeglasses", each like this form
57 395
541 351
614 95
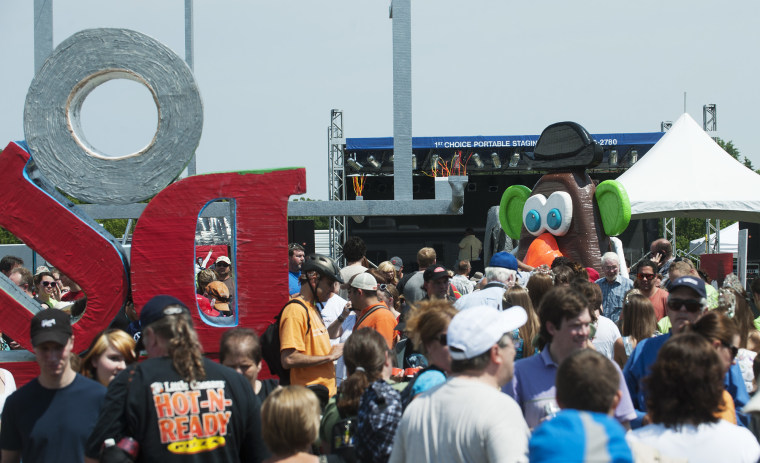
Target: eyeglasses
222 264
734 350
48 283
442 339
645 276
692 305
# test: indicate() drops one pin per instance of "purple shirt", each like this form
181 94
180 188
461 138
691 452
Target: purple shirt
533 389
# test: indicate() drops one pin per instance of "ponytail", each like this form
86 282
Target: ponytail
184 347
365 355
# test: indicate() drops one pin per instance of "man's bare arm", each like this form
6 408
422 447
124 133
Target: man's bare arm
291 358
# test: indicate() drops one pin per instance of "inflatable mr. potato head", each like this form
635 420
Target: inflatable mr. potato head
565 214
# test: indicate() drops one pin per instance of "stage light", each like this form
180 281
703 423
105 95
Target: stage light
514 160
414 161
354 165
478 162
634 157
496 160
613 158
373 162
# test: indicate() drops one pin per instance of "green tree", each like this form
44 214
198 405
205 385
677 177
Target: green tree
728 147
320 223
7 237
690 229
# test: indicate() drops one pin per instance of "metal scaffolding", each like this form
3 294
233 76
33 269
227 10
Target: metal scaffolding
336 182
712 236
669 230
710 118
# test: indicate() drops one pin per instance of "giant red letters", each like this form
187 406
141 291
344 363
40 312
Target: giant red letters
163 245
163 248
67 242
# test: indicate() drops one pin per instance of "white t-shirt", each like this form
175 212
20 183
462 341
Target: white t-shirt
10 386
462 420
333 308
708 443
607 333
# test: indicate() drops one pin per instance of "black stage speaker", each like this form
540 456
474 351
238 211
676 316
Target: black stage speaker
753 240
302 232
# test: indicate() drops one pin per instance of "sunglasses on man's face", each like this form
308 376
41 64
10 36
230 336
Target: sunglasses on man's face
48 283
645 276
692 305
222 264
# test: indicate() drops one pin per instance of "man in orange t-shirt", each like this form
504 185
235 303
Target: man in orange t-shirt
371 313
304 343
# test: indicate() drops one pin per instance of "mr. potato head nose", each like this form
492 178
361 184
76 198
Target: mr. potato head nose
542 251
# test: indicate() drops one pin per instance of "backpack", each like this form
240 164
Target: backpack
407 393
343 439
379 416
270 344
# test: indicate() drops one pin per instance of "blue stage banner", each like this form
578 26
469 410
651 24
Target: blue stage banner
495 142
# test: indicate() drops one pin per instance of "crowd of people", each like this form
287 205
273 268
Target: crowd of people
377 364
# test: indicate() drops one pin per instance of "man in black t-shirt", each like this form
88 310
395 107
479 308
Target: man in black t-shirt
178 405
50 418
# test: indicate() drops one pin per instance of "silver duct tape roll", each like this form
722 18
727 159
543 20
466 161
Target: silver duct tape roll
52 123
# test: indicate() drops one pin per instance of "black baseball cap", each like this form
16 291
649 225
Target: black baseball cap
435 272
157 308
51 325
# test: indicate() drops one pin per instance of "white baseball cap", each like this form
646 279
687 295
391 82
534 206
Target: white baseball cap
364 281
473 331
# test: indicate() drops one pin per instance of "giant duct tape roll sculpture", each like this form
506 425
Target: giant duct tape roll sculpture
52 116
566 213
59 157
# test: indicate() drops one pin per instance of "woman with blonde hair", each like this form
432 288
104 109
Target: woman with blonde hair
523 337
290 423
389 272
637 322
109 353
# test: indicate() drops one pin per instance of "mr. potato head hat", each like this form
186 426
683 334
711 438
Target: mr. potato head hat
221 294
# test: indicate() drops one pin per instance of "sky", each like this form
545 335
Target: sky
270 72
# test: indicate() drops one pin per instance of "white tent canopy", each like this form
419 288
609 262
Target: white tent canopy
729 241
686 174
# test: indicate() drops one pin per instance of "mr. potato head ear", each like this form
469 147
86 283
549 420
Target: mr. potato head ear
614 206
511 210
